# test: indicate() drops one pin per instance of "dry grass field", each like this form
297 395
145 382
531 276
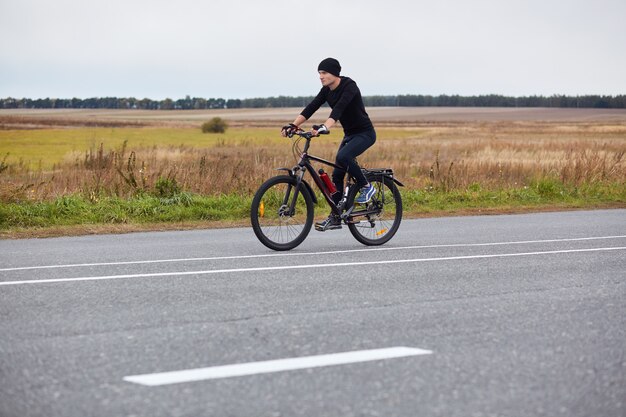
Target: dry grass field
51 153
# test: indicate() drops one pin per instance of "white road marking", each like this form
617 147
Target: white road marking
276 255
279 365
308 266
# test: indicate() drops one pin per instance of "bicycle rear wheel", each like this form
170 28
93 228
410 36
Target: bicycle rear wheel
383 213
281 217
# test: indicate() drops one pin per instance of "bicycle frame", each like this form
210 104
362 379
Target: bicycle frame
304 165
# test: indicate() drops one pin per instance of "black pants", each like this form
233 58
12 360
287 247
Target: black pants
351 147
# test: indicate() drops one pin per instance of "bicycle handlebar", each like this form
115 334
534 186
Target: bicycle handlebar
307 135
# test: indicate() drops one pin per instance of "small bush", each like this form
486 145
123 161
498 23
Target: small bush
215 125
167 187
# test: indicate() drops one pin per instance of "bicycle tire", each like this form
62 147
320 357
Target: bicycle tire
379 228
273 223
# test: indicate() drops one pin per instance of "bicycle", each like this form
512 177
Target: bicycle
282 208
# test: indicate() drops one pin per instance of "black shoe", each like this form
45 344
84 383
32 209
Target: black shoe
330 223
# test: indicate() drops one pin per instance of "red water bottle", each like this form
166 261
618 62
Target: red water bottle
329 184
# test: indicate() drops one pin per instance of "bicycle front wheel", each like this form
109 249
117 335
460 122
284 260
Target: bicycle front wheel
381 215
281 215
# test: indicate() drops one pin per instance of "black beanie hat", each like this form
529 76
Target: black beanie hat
330 65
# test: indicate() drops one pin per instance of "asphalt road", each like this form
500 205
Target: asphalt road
520 315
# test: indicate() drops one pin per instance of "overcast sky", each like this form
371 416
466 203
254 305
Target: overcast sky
262 48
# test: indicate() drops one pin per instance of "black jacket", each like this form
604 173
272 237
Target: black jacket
347 106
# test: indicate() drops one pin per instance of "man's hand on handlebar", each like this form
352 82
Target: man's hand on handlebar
320 130
288 130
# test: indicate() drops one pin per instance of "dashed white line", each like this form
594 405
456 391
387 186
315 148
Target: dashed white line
276 255
278 365
308 266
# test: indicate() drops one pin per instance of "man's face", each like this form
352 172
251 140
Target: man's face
327 78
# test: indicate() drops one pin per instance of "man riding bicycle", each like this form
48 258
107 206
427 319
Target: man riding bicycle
344 97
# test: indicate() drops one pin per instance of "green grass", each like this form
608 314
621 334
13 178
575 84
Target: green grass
544 193
78 210
185 207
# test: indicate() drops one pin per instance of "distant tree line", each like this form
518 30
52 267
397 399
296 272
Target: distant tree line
493 100
410 100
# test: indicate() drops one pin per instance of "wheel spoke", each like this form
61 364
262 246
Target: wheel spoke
272 219
385 210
